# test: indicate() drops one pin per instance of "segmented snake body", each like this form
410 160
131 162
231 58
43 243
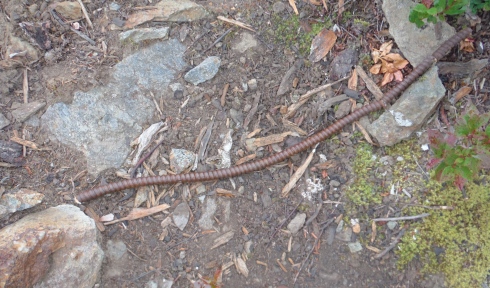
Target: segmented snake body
281 156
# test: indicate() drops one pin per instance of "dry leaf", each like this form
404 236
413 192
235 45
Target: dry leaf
398 76
322 44
375 69
373 234
467 45
291 2
241 266
352 83
387 78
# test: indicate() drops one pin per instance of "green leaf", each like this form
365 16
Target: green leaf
432 11
420 8
465 172
441 5
448 171
432 19
487 131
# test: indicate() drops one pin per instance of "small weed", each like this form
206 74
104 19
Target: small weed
439 9
457 157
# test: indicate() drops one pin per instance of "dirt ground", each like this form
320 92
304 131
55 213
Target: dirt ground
60 172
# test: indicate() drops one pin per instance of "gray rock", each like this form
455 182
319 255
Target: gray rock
181 216
391 225
204 71
181 160
266 199
330 234
410 112
334 183
22 112
209 208
354 247
245 42
288 78
297 222
344 235
102 122
4 122
415 105
342 63
344 109
113 6
116 249
56 247
20 200
278 7
237 117
252 84
406 34
142 34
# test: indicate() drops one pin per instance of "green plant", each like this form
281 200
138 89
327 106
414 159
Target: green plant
458 156
432 11
454 241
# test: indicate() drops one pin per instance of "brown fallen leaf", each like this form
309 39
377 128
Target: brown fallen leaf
293 5
352 83
322 44
390 63
254 143
467 45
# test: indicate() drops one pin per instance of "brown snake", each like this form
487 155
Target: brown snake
281 156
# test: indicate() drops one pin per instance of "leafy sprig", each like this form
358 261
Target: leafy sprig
457 156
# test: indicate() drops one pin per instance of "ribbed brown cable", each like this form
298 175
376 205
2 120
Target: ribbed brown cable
281 156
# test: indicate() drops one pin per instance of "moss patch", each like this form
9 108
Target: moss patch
455 242
288 32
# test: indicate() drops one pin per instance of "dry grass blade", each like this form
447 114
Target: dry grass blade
27 143
463 91
293 5
364 133
237 23
254 143
137 213
299 172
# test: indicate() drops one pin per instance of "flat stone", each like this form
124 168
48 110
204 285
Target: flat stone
204 71
341 65
56 247
116 249
298 221
245 42
113 6
102 121
354 247
343 109
24 111
208 209
181 216
344 235
415 43
410 112
71 10
4 122
142 34
20 200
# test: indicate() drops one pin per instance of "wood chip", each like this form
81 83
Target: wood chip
244 230
253 133
373 233
370 85
223 239
293 127
302 100
241 266
23 142
282 266
254 143
261 263
352 83
224 193
223 95
91 213
364 133
246 159
293 5
322 44
463 91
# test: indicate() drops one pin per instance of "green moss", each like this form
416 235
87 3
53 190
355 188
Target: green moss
463 233
288 32
361 22
361 192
